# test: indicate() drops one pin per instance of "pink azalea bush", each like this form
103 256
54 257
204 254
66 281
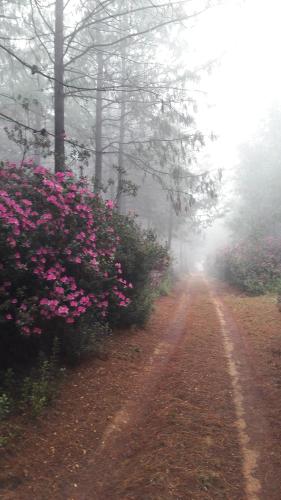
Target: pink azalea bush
252 266
57 250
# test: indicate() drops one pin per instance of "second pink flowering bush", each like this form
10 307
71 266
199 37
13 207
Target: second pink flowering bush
252 266
57 252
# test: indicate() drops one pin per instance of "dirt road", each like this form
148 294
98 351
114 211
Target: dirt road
188 408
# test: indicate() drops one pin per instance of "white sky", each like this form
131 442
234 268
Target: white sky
248 77
242 86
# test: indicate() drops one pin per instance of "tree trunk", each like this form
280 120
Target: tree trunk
98 134
37 149
170 227
121 134
59 89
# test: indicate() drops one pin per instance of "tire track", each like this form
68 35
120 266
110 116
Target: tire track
249 453
152 372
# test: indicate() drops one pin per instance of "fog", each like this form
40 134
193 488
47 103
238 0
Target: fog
243 101
157 118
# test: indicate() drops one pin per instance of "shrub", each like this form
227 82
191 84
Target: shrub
76 346
252 266
57 255
142 258
69 267
63 252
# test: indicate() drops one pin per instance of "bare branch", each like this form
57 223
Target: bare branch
134 35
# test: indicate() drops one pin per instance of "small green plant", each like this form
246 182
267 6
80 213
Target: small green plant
41 386
209 480
38 392
9 433
26 389
3 441
9 381
165 286
135 349
5 406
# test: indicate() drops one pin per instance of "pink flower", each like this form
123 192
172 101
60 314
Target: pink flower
11 242
69 320
110 204
40 170
63 310
51 277
81 236
69 174
85 301
27 203
81 309
13 220
44 302
53 304
60 176
52 199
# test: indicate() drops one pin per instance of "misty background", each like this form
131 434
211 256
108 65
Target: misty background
171 109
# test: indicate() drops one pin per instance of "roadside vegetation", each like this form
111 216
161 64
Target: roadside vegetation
252 260
71 269
252 266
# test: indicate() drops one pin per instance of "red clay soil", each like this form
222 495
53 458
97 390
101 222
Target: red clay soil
155 419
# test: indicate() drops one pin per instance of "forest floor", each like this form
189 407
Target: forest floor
188 408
